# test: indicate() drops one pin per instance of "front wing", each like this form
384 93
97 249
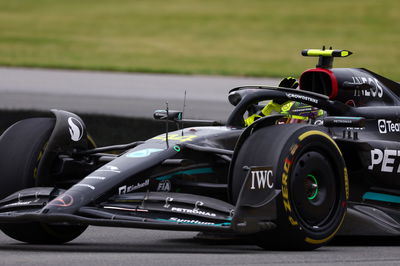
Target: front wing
152 210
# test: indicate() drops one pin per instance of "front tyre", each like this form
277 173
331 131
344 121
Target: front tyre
311 174
40 233
21 149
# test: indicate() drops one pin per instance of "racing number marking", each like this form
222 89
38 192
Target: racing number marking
177 137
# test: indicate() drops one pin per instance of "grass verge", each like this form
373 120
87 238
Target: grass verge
228 37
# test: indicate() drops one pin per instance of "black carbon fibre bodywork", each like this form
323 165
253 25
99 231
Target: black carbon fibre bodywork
181 180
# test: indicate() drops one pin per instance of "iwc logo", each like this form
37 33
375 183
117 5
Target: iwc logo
262 178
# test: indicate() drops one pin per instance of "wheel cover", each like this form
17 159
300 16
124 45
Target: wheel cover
314 190
311 187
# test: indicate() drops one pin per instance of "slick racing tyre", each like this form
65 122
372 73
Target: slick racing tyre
40 233
310 173
21 148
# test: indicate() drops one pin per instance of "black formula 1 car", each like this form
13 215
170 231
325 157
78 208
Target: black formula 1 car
289 185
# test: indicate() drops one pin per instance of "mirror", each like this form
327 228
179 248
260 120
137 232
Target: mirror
171 115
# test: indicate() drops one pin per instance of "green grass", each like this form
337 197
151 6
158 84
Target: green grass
228 37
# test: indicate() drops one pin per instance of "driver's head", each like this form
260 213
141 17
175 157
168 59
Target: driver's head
296 112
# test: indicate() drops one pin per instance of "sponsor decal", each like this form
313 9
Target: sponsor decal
382 126
75 129
176 137
319 122
375 91
193 212
346 183
303 110
387 126
293 149
125 209
109 168
285 191
127 189
84 185
142 153
343 121
190 221
262 178
197 222
197 204
96 177
351 103
63 200
19 203
164 185
168 200
385 160
293 96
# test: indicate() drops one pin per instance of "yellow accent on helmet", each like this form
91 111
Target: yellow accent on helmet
272 106
320 112
298 117
287 106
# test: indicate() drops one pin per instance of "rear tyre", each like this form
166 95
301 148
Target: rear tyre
311 174
21 149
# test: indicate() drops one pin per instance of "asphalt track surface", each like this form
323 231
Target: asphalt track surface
119 246
138 95
133 95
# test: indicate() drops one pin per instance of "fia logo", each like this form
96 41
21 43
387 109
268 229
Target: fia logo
262 178
164 185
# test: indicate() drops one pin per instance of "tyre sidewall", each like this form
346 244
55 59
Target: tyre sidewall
21 148
272 146
290 222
